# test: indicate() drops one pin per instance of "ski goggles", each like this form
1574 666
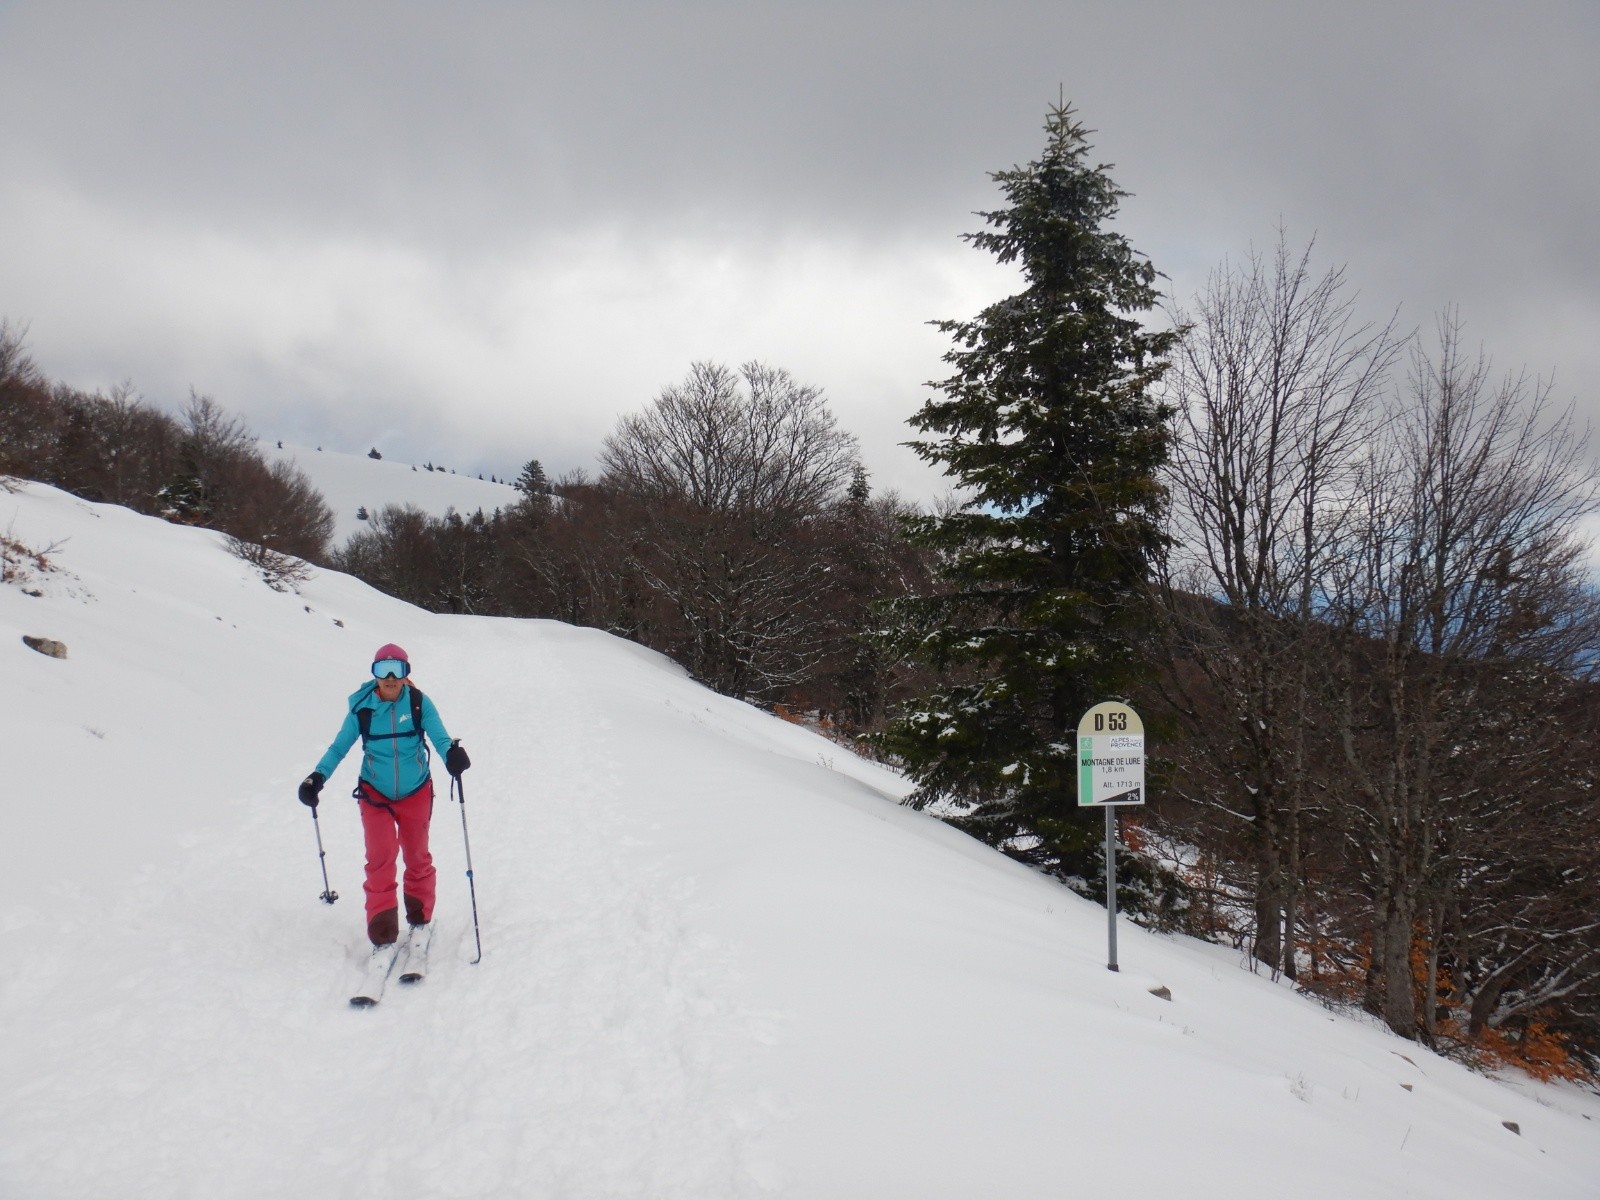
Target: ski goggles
391 668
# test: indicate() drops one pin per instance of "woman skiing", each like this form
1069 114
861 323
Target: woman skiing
391 716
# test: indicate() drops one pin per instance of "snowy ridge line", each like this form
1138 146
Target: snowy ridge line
353 482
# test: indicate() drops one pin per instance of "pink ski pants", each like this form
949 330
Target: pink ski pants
393 829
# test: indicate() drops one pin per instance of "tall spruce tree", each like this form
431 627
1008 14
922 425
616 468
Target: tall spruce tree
1049 428
532 482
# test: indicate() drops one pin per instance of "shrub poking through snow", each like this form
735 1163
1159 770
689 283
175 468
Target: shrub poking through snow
20 564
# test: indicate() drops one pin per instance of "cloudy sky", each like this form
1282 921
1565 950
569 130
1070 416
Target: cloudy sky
478 232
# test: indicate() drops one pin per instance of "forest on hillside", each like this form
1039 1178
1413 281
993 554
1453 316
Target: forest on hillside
1335 564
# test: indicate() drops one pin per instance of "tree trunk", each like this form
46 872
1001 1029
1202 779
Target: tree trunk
1291 889
1397 1002
1269 893
1430 987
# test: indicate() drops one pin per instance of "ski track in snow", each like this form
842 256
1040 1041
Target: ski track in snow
580 1058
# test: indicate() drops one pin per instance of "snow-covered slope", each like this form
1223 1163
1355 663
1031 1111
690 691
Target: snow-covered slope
349 482
719 959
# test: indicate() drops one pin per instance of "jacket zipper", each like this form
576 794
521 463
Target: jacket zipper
394 728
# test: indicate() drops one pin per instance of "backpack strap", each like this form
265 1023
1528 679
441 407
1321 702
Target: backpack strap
368 794
364 718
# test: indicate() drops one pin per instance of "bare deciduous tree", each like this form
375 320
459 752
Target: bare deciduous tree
278 513
1462 579
1275 386
771 449
27 419
728 482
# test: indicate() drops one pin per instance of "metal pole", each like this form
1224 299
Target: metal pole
472 888
1111 885
328 894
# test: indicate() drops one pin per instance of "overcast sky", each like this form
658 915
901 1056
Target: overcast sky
478 232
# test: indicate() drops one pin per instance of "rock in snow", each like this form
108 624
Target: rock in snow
46 646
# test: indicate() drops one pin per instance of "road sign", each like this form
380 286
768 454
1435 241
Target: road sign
1110 756
1110 775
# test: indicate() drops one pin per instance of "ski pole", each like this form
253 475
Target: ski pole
328 894
460 795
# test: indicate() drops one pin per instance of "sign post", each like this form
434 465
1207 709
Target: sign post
1110 774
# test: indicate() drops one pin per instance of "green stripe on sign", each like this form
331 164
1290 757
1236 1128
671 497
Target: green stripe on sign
1086 770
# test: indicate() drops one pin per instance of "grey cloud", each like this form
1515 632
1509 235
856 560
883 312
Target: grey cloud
387 182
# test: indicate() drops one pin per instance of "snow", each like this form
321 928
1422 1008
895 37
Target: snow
720 959
349 482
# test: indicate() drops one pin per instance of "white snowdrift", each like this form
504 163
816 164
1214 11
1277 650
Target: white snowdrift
720 959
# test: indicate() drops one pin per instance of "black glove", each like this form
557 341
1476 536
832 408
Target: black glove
455 759
311 789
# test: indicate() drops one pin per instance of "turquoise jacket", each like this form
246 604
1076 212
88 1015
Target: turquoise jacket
395 761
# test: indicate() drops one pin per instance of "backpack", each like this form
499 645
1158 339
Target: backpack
364 719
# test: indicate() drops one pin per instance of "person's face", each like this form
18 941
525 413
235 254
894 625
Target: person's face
389 688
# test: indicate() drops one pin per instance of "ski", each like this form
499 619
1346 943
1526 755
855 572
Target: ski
379 965
414 967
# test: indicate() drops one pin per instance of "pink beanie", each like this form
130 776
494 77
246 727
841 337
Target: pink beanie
390 650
